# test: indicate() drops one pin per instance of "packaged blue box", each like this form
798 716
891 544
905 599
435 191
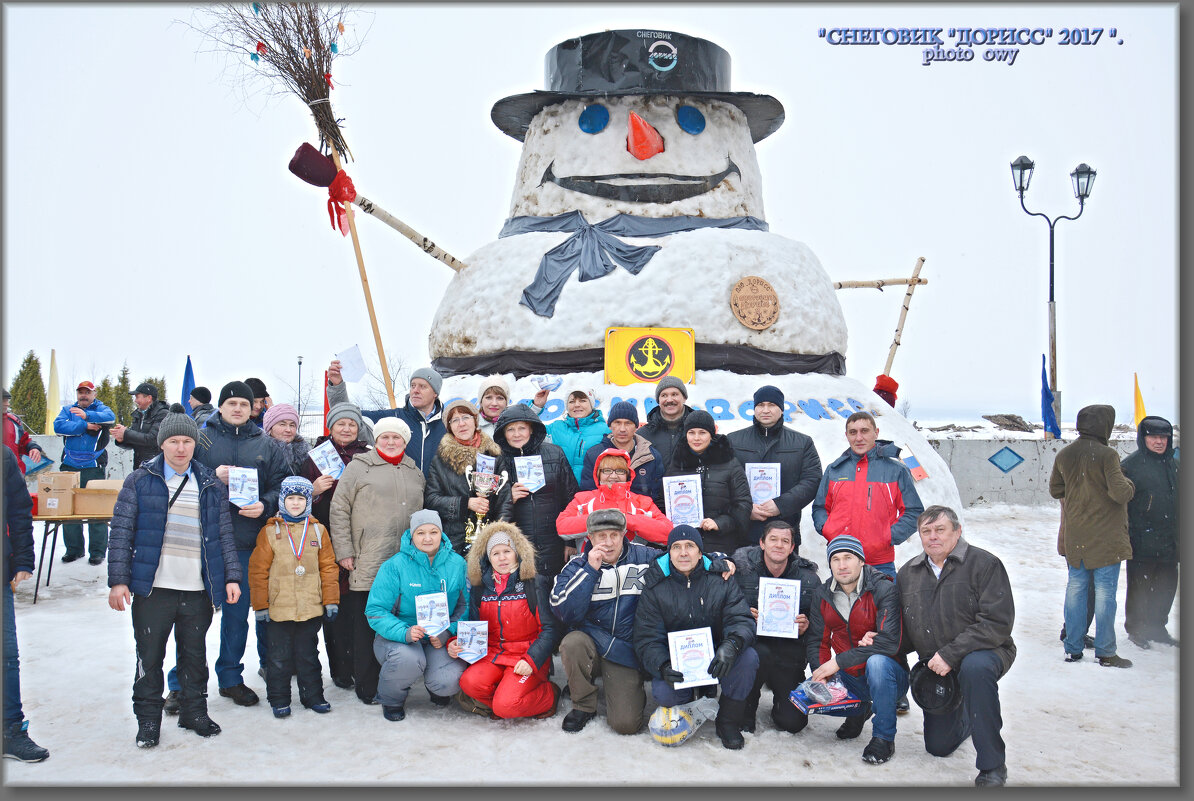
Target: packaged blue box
802 703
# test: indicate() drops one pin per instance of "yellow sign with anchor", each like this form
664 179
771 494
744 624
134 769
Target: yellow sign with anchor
645 355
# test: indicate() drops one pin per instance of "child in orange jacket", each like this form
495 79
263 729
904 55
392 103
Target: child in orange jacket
293 583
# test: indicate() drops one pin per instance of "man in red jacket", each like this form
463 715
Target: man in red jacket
17 438
869 494
854 632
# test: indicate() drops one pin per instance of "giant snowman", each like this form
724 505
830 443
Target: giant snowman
638 202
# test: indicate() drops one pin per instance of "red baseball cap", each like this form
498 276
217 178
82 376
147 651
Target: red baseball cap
85 385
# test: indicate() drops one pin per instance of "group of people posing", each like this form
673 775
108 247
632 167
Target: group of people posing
581 562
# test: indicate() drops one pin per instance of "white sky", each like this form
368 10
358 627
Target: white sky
153 200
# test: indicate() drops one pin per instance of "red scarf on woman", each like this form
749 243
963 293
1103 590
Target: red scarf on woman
475 442
393 459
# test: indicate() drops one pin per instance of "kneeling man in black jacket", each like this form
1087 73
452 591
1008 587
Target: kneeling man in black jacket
682 592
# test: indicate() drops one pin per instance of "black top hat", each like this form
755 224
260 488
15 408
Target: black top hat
636 62
936 695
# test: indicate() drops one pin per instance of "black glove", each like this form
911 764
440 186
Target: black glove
723 659
669 673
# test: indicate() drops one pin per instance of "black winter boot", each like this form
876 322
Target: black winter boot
750 710
17 744
730 715
852 727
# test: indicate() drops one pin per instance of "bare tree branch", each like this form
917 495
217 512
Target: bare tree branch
292 44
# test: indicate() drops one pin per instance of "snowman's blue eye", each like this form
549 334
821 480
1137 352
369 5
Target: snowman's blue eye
690 119
595 117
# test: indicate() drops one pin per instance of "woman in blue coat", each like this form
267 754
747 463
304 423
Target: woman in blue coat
425 564
581 429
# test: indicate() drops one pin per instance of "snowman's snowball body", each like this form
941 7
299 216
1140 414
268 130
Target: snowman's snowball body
686 284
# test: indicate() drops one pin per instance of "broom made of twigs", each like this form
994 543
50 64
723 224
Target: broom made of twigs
292 47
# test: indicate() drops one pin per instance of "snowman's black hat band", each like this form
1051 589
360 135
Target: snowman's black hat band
636 62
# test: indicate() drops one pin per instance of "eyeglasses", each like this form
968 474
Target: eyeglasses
613 471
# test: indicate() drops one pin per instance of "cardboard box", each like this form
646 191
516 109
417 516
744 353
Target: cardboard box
56 502
64 480
97 498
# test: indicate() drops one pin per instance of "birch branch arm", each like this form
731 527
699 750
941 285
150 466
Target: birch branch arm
878 284
423 243
912 282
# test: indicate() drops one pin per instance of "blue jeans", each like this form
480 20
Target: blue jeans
887 569
234 635
1106 579
882 683
97 533
12 664
735 685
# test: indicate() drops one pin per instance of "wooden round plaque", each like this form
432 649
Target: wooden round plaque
754 303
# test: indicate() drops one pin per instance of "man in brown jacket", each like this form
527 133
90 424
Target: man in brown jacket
1087 475
956 601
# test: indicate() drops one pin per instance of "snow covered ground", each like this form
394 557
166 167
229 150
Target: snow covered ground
1060 722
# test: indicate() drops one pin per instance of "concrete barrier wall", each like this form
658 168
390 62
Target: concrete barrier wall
981 482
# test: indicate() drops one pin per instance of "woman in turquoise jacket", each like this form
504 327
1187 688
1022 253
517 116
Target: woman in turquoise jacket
582 428
425 564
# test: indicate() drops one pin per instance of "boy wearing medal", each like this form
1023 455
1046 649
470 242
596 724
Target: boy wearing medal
293 583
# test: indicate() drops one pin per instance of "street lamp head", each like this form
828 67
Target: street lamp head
1022 173
1083 177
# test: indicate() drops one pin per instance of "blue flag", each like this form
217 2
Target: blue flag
1047 416
188 384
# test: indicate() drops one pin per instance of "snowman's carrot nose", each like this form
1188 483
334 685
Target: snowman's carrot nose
642 140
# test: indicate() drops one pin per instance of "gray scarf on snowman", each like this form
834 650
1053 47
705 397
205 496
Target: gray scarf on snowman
596 250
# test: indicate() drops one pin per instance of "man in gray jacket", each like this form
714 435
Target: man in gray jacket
956 601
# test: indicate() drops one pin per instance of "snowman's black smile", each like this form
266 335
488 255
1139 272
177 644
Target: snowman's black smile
659 187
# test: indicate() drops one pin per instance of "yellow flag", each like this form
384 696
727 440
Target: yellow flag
645 355
1140 413
53 398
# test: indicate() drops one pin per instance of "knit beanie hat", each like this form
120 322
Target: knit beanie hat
461 405
425 516
670 382
430 376
577 388
496 539
294 485
391 424
684 532
350 411
277 413
258 387
177 423
769 394
494 381
699 418
622 410
201 394
235 389
844 542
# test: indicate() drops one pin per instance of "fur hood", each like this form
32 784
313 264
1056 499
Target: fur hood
478 556
457 456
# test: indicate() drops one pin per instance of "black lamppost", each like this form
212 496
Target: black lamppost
1083 178
300 388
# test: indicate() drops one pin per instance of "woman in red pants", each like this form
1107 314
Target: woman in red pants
511 680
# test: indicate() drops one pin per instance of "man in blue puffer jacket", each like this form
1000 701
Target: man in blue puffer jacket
172 556
596 595
83 426
231 439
